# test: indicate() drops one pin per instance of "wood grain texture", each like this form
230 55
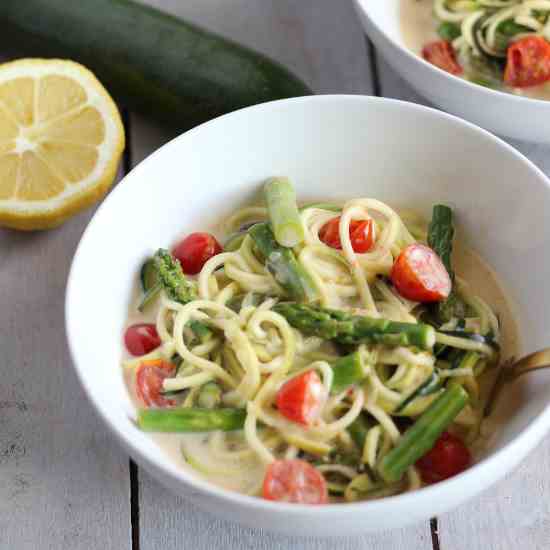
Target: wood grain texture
320 40
516 512
171 523
63 480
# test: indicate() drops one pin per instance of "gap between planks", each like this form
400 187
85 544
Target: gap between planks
132 466
377 91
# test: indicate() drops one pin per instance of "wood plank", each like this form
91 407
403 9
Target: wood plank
322 42
171 523
64 481
515 513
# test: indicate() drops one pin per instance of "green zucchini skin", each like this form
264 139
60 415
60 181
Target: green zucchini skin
152 62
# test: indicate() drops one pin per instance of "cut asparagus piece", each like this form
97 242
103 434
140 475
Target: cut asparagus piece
344 328
210 396
177 287
422 435
150 283
440 239
191 420
282 264
347 371
280 198
172 278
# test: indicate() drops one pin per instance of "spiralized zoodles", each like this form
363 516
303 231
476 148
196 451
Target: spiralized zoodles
497 43
314 353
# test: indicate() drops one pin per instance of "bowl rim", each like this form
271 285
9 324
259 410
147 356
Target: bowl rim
488 93
515 450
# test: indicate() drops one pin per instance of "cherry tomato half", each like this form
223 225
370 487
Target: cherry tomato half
418 274
528 62
294 481
300 399
149 378
448 457
141 338
442 55
195 250
361 234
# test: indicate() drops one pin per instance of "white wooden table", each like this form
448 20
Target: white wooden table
64 482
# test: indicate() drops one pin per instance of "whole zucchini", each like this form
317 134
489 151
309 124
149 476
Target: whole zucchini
153 62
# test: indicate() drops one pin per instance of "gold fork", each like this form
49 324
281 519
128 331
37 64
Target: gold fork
511 370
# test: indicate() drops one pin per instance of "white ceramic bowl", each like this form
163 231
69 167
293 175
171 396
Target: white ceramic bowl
505 114
333 147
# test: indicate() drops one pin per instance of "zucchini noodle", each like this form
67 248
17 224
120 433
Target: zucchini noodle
481 32
230 338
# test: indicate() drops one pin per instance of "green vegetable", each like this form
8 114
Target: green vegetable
210 396
150 283
282 264
236 303
347 371
286 224
322 206
344 328
200 330
464 359
441 233
440 239
431 385
148 275
449 31
177 287
358 430
506 31
234 242
172 278
157 64
190 419
422 435
487 339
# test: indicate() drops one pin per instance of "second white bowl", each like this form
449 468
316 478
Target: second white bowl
505 114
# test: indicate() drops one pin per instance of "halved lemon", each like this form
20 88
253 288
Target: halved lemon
61 138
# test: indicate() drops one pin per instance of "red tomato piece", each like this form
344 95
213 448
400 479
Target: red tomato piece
149 378
294 481
441 54
141 338
361 234
528 62
418 274
195 250
448 457
300 399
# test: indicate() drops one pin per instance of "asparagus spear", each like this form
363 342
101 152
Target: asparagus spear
171 276
282 264
422 435
210 396
177 287
344 328
347 371
280 198
440 239
190 419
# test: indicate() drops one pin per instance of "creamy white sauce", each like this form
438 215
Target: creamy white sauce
246 476
418 27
